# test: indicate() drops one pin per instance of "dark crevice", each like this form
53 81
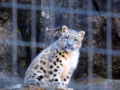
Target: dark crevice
95 5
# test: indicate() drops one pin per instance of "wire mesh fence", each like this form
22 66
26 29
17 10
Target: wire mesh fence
33 44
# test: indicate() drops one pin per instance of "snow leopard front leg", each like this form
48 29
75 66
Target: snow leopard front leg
55 70
66 80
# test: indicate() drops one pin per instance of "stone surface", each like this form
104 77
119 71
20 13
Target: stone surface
54 22
6 35
97 83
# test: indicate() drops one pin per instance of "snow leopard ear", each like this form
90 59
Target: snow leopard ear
64 29
81 34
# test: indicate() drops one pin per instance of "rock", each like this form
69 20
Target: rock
17 86
97 83
117 22
6 35
54 22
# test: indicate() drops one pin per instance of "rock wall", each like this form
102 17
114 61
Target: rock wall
54 21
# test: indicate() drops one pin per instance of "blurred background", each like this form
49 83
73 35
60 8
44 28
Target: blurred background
23 35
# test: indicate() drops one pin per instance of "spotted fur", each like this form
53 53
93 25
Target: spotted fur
54 66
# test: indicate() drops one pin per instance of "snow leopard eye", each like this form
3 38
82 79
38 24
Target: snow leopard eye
75 39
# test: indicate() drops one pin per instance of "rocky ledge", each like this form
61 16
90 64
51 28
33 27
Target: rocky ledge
97 83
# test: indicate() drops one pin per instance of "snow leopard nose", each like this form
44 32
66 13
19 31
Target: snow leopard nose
70 42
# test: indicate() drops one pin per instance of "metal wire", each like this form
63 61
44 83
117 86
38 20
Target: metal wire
14 39
43 45
62 10
33 30
90 38
109 45
109 41
14 42
71 16
52 21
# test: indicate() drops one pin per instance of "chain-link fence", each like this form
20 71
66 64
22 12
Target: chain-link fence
51 10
